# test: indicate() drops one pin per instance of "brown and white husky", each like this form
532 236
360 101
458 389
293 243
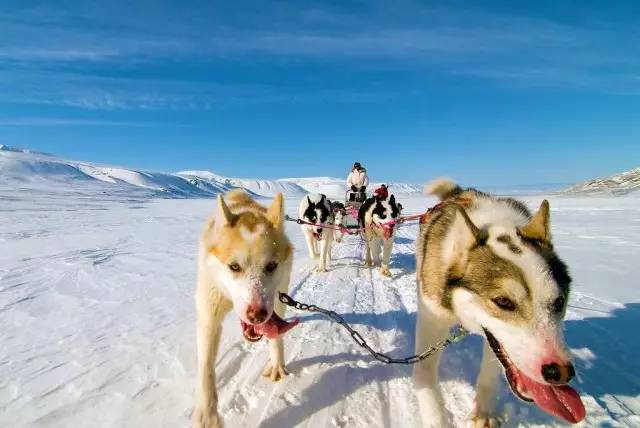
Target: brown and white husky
244 260
489 264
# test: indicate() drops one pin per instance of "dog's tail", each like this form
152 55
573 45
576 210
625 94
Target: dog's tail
443 188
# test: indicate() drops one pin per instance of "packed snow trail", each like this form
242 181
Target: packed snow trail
96 304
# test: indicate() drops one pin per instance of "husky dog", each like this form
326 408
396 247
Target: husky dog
244 260
376 216
316 209
487 263
339 214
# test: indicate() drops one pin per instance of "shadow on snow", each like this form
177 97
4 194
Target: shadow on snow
613 369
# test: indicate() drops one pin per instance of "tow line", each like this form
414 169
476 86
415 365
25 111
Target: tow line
456 335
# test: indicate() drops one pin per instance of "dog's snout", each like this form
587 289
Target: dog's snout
257 315
551 372
556 374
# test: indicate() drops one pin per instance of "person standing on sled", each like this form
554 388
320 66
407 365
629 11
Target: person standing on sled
358 180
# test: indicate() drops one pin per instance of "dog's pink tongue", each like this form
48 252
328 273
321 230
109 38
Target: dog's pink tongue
275 326
387 230
561 401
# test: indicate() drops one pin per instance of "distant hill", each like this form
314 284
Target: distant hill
25 167
618 184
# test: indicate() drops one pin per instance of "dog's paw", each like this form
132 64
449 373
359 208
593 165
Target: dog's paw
204 419
485 421
320 269
274 373
384 271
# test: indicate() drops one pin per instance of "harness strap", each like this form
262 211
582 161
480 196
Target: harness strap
354 231
340 228
424 218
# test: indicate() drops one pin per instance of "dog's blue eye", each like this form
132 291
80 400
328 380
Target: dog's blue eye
505 303
235 267
271 266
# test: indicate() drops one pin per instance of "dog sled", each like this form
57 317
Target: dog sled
352 203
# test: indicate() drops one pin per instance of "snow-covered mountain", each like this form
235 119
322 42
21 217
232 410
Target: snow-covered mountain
27 167
618 184
336 187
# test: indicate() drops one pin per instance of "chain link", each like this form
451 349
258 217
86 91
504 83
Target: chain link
456 335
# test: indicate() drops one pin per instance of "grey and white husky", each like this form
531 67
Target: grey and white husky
489 264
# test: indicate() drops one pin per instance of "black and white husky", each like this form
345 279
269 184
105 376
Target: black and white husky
489 264
316 209
377 217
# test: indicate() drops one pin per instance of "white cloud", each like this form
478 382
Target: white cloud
57 121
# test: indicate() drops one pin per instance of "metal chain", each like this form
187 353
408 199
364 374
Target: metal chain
456 335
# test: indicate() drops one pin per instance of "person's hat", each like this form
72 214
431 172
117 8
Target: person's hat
357 165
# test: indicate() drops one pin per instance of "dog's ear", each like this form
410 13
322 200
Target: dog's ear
538 227
392 200
275 212
463 235
224 216
309 201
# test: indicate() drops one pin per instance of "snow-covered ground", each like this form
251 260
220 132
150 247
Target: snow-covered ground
96 309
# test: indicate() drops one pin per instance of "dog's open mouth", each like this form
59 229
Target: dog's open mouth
272 328
561 401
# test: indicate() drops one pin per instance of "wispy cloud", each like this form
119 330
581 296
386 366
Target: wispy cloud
58 56
121 93
57 121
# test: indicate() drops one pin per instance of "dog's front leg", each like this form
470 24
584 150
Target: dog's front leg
275 369
325 248
376 243
486 386
429 330
211 312
311 244
386 256
367 251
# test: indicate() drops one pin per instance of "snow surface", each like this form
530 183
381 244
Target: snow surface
98 321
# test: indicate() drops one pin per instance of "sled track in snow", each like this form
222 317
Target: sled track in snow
332 381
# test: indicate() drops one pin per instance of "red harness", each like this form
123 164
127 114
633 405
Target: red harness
388 226
426 217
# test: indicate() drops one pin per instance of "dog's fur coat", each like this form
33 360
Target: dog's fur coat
374 216
244 260
317 209
487 263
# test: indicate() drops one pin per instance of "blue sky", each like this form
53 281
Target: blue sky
503 93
